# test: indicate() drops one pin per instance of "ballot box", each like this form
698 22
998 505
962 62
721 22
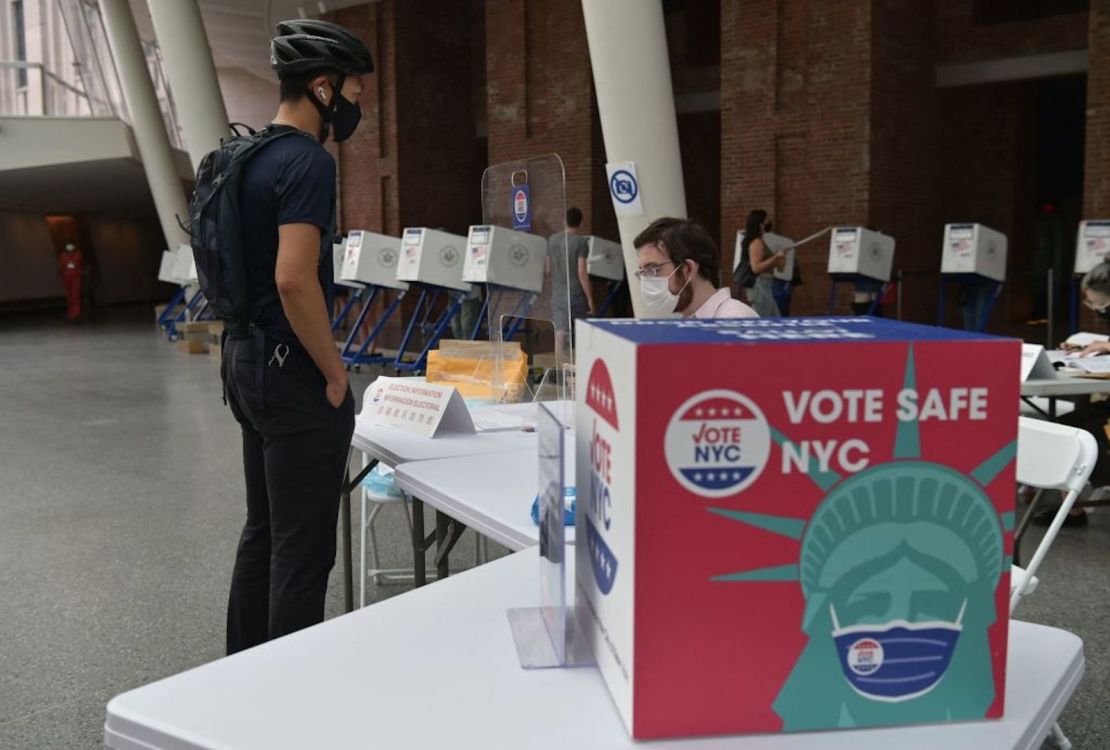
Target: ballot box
816 545
605 259
429 256
974 249
1091 244
500 256
370 258
856 252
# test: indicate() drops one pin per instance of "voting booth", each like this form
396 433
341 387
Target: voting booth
338 253
605 260
433 260
1091 244
431 257
863 258
179 267
857 253
371 259
802 548
975 256
974 249
185 266
501 257
368 263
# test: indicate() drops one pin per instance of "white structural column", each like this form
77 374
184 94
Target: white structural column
632 77
192 74
146 118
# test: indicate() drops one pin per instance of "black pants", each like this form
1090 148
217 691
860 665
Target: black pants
295 447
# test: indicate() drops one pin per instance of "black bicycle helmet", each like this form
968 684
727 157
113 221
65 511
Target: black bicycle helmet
309 45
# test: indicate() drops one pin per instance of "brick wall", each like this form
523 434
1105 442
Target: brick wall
795 122
960 39
904 185
368 159
440 158
540 92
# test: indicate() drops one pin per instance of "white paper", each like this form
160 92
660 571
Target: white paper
1092 365
415 407
1086 339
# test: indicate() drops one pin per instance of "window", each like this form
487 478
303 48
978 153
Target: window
1003 11
20 41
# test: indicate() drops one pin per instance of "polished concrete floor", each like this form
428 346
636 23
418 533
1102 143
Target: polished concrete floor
121 502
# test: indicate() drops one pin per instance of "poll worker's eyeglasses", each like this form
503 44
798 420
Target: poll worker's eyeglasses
1097 308
651 270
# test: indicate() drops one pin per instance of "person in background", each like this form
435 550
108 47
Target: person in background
71 267
763 262
463 324
570 281
680 267
1094 416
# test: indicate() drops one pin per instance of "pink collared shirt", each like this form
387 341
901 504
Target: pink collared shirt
722 305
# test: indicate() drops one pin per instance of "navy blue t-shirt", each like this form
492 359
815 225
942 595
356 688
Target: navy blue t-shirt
288 181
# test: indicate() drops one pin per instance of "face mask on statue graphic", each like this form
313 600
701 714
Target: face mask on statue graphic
898 660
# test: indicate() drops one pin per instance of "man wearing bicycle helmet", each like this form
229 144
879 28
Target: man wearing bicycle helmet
285 382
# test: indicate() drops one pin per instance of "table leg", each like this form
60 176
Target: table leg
345 518
345 514
419 572
1052 409
443 524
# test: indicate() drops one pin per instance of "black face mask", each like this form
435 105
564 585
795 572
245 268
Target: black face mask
342 116
1104 314
769 226
345 119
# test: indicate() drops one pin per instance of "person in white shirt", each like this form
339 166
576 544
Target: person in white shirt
680 267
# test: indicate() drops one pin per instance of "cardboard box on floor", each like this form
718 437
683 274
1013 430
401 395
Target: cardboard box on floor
191 346
795 524
215 338
192 337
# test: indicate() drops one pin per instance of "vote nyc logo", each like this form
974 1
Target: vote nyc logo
717 443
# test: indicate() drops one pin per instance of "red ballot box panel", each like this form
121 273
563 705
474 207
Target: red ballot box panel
795 524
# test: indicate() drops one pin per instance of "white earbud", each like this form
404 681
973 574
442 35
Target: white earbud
320 91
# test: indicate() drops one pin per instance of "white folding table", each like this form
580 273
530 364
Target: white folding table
363 680
395 447
1061 386
490 493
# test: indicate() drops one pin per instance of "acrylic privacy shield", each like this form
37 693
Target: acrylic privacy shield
795 524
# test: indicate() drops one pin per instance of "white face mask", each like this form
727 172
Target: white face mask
658 299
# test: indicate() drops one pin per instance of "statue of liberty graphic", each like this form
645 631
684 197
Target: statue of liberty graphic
899 567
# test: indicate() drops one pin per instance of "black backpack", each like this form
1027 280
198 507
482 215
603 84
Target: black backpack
214 224
744 276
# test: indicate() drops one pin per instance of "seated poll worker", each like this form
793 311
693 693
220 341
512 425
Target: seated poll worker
680 266
1091 417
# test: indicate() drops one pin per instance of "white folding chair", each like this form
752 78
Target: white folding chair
371 506
1050 456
